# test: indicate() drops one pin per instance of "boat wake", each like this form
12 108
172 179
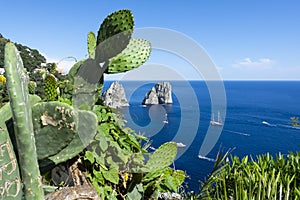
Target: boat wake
289 126
280 125
206 158
268 124
239 133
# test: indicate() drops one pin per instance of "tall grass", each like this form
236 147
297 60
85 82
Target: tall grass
262 178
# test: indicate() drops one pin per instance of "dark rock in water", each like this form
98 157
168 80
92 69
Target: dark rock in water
161 93
114 96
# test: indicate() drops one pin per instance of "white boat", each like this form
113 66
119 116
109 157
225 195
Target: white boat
152 148
166 119
216 123
180 145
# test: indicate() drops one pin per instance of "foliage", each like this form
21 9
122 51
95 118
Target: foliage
3 94
295 121
32 59
117 162
263 178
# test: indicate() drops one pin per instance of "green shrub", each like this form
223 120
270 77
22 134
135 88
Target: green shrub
262 178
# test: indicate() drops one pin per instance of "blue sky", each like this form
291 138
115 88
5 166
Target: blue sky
257 39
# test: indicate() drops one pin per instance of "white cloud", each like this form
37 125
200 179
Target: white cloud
262 63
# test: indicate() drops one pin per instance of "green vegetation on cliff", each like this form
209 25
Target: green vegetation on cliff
32 59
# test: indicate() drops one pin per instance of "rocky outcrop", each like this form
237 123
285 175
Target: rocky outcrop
161 93
114 96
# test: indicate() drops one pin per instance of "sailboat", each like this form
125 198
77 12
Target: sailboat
166 119
216 123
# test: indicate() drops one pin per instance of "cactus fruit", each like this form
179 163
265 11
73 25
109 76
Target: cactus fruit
134 55
31 87
50 87
114 34
61 131
19 101
91 44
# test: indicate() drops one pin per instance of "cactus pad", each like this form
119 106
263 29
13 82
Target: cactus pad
114 34
50 87
86 130
17 87
61 131
31 87
10 181
133 56
162 157
91 44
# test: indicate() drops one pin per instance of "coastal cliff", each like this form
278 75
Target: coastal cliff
115 96
161 93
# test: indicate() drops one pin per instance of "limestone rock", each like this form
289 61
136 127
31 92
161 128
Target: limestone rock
161 93
115 96
151 97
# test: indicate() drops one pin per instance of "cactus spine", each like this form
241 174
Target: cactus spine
19 101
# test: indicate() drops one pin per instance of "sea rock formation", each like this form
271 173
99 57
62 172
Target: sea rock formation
115 96
161 93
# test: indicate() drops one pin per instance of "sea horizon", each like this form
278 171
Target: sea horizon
257 121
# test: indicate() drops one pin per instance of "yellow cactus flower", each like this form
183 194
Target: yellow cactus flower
2 79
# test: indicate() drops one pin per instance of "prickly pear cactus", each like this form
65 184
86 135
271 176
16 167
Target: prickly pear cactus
31 87
10 181
114 34
162 157
73 71
50 87
91 44
20 105
157 170
115 52
134 55
61 131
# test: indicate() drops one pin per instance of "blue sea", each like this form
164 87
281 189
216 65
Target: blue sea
256 120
